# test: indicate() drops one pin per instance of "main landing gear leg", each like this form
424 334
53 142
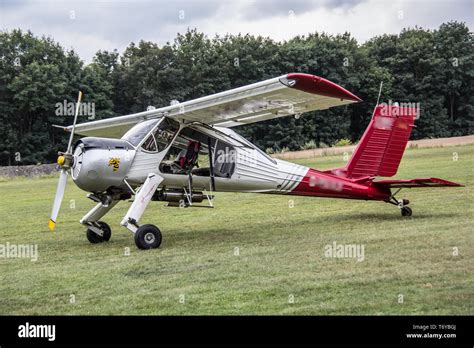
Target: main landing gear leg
402 204
146 236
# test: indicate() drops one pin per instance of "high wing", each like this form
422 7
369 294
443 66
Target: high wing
277 97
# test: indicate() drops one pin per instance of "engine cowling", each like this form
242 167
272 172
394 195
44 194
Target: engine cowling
101 163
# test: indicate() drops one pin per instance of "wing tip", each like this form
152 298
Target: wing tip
318 85
447 182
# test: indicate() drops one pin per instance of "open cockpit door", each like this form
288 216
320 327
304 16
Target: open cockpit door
201 151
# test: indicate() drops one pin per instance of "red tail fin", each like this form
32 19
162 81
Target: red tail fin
381 148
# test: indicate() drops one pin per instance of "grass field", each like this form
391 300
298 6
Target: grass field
252 254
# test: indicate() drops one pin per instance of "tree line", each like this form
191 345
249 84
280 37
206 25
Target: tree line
37 77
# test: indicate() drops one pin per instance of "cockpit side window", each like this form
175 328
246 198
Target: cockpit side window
165 133
150 144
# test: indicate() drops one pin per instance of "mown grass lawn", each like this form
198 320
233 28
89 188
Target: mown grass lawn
252 254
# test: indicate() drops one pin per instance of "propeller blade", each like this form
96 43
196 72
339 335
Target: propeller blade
78 104
58 198
64 160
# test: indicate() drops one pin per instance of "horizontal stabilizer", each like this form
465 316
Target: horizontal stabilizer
426 182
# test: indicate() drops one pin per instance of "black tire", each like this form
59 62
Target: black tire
148 237
406 211
94 238
107 232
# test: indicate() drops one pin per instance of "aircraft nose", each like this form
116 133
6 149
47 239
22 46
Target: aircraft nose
101 163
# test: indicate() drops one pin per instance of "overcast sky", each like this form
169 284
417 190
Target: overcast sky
88 26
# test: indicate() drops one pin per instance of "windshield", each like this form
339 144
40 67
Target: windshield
159 138
136 134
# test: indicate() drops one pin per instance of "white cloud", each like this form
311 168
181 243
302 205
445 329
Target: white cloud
363 20
107 25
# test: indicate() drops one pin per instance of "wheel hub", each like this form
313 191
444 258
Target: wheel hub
149 238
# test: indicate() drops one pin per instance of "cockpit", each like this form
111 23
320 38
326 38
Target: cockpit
197 150
190 150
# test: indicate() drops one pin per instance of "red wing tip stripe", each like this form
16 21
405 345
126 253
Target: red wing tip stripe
318 85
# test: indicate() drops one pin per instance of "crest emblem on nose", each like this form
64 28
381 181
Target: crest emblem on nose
114 162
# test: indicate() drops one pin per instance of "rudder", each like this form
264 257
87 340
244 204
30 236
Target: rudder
381 148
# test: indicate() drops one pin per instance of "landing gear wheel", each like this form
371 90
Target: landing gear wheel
148 237
406 211
94 238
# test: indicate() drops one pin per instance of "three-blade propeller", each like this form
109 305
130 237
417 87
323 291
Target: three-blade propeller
65 161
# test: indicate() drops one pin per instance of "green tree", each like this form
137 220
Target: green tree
432 67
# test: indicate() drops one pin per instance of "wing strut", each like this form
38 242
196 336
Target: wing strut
211 165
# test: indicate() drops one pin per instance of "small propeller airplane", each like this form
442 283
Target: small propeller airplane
184 152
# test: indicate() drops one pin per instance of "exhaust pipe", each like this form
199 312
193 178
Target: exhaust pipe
177 196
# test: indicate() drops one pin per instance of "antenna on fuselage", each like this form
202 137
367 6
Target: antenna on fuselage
378 97
380 93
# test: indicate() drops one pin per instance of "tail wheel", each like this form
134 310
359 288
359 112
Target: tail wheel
406 211
148 237
94 238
